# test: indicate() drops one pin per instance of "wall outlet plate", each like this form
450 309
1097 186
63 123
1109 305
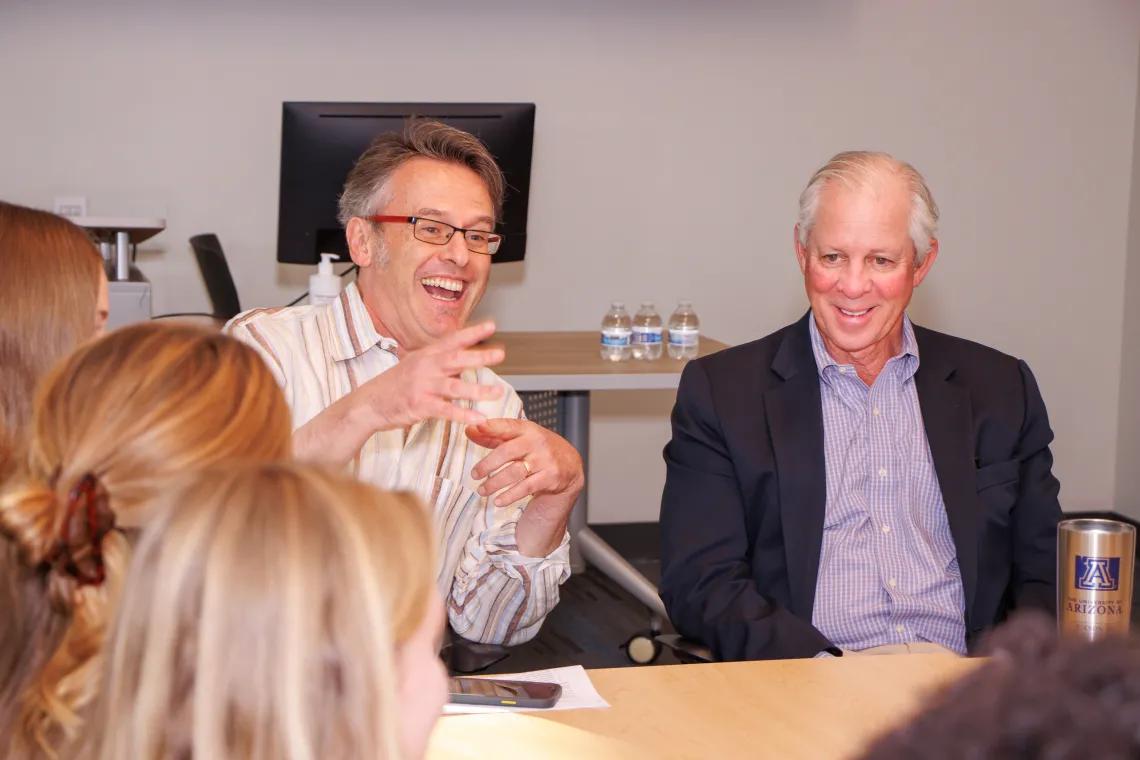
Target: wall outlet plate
70 205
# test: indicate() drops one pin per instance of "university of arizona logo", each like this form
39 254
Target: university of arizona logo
1098 573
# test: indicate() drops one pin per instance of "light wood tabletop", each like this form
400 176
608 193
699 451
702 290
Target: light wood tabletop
790 709
571 361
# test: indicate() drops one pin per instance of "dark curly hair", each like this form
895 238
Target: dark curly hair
1039 696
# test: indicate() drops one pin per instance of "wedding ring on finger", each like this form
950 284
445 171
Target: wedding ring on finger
526 464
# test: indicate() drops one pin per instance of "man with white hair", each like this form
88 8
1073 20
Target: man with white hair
853 482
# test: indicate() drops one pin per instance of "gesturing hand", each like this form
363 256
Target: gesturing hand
425 382
536 461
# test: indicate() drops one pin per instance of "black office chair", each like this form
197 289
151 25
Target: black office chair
464 657
687 651
216 274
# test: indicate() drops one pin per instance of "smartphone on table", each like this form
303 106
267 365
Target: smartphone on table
496 691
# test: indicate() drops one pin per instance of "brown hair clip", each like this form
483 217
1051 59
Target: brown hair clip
87 568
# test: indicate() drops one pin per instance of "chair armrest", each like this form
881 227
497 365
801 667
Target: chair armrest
686 650
464 657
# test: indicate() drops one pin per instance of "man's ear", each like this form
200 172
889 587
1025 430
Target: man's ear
923 269
801 252
356 234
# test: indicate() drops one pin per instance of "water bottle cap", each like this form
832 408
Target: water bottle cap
684 303
647 304
617 305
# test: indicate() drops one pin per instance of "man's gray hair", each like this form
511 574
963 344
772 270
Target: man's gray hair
366 183
857 169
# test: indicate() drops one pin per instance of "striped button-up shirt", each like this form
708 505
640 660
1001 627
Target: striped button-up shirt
888 569
319 354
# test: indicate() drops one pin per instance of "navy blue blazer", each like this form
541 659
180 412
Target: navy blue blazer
742 513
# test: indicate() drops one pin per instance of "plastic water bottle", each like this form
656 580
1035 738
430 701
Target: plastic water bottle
647 332
684 332
617 328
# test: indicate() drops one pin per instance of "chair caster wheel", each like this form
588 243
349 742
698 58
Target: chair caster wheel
642 649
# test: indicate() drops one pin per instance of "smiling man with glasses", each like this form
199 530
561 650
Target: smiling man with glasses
388 380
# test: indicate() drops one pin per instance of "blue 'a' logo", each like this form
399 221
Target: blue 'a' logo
1098 573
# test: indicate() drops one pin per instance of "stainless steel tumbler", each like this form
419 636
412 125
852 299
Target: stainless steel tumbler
1095 560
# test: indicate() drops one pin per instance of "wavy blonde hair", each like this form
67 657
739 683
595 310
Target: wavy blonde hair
135 409
261 618
48 296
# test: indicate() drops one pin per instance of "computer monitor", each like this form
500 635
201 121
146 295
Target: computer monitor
320 142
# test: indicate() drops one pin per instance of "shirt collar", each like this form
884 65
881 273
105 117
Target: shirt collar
356 333
907 358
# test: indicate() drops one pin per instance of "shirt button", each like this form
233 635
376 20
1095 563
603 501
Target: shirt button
899 628
875 411
882 472
843 370
886 529
892 582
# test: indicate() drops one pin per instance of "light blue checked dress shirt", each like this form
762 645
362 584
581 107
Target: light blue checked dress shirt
888 569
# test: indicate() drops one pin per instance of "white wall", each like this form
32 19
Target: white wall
1128 435
656 120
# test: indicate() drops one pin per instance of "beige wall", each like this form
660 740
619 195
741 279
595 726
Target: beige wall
1128 436
664 128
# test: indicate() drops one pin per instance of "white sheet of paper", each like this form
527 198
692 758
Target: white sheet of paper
578 693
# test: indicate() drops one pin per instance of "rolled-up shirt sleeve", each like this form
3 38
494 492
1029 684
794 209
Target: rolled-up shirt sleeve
499 596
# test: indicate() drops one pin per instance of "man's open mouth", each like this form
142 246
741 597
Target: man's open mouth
444 288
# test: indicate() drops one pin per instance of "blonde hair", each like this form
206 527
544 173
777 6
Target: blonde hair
134 410
261 617
48 297
858 169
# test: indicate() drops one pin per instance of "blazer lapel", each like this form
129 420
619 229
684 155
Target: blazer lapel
949 422
795 420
